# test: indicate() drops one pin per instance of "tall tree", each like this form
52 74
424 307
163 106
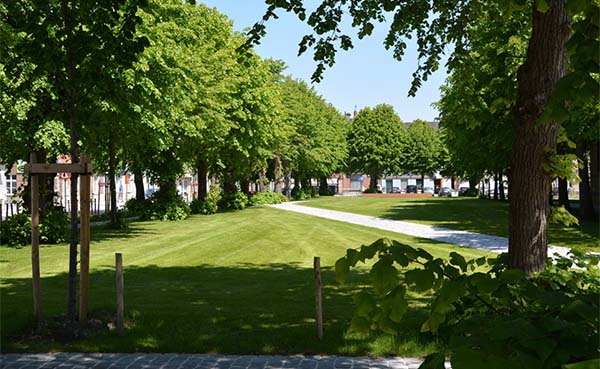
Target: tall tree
439 23
375 143
423 149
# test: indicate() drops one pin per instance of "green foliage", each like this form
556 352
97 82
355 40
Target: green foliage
165 205
233 201
299 193
562 216
269 197
135 207
476 305
471 192
16 230
376 141
210 205
423 150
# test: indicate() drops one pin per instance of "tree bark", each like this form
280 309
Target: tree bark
278 188
112 169
323 186
261 181
496 186
501 185
422 182
70 111
563 193
138 180
529 210
595 174
586 205
202 168
373 182
245 186
287 189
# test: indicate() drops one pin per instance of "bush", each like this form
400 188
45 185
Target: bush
483 311
134 207
210 205
471 192
269 197
165 206
303 193
54 226
233 201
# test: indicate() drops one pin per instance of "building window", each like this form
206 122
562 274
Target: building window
11 184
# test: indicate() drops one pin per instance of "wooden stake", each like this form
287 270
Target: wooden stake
84 235
120 302
318 298
35 242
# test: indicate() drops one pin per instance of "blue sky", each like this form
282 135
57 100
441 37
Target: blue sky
364 76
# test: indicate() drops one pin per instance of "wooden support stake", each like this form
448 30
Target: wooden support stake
84 195
318 298
35 243
120 302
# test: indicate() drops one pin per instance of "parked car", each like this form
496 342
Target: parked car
411 189
428 190
448 192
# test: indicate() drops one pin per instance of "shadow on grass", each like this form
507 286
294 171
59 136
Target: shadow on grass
245 309
465 214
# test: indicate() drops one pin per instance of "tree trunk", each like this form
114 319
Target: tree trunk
323 186
595 174
373 182
278 188
112 172
229 185
586 205
422 182
245 186
287 189
563 193
202 168
545 64
473 182
501 185
138 180
496 186
261 181
69 105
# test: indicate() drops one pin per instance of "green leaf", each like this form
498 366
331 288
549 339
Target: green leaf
458 260
542 6
399 304
383 275
360 325
365 304
422 278
513 275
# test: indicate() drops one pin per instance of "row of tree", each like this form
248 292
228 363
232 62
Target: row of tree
160 87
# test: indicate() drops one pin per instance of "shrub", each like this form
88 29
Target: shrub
233 201
210 205
54 226
16 230
303 193
134 207
471 192
269 197
483 311
165 206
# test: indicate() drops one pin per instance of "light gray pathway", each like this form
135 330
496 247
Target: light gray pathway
462 238
199 361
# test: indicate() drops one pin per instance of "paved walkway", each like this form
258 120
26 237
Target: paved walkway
199 361
462 238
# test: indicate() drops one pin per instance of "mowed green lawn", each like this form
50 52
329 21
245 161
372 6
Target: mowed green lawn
237 282
467 214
